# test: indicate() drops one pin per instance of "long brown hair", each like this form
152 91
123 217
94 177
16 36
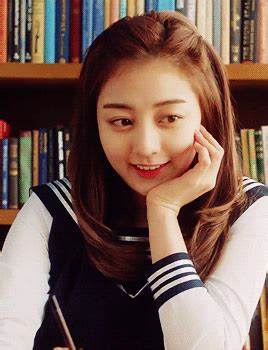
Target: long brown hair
100 196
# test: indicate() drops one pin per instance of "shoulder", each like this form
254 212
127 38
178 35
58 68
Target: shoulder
257 205
56 196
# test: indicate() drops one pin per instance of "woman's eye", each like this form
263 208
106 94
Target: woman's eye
172 118
124 122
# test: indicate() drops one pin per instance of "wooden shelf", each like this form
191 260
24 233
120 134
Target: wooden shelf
39 73
68 73
7 216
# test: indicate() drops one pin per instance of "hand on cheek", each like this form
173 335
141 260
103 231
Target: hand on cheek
198 180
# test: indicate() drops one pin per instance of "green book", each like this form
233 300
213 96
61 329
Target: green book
25 165
259 155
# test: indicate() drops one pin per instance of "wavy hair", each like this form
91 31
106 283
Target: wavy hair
100 196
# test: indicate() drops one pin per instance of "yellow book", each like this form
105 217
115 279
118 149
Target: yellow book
245 152
38 31
106 13
131 8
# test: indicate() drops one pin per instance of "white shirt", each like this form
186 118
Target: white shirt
215 317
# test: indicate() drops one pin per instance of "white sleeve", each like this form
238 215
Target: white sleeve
24 273
215 315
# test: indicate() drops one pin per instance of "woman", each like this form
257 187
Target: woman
155 240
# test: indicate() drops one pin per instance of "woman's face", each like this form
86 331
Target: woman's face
147 114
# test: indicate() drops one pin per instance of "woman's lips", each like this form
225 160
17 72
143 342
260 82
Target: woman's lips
150 173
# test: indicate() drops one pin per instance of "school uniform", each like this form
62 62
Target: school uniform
169 308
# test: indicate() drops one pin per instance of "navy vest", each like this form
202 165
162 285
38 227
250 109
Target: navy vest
99 314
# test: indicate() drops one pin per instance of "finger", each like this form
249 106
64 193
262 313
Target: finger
207 135
215 150
203 154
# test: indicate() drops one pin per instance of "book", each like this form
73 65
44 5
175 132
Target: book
35 157
264 130
25 165
5 149
252 154
43 156
87 25
75 30
16 32
38 31
13 178
245 152
50 31
28 34
3 31
22 38
235 31
98 17
259 156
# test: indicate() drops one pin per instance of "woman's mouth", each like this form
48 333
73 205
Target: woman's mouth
150 173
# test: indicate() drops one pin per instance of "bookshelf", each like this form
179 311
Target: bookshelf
44 95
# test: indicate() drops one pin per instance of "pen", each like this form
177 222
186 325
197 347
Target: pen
65 331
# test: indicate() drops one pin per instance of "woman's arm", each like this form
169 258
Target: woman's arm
216 314
24 273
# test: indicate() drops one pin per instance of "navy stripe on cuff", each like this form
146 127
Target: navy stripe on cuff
172 275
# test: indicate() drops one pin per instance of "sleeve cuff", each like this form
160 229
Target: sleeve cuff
172 275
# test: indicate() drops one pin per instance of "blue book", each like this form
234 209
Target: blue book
98 17
28 34
43 156
62 31
150 5
166 5
87 25
216 39
50 31
123 9
5 150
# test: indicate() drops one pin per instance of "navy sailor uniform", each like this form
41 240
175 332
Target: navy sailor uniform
100 313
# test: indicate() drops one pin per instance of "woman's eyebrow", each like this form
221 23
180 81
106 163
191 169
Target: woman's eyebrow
158 104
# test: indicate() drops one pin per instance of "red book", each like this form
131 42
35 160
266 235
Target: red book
4 129
75 31
3 31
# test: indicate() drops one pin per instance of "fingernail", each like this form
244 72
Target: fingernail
198 132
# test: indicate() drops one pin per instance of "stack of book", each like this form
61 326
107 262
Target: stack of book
33 158
49 31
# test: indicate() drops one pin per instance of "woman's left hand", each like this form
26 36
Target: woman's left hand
180 191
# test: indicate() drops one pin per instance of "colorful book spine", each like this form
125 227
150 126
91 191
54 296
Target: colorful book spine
98 17
140 6
3 31
165 5
65 32
38 31
201 16
262 33
245 43
264 130
35 157
28 35
25 165
131 8
114 12
150 5
67 147
22 45
252 154
10 30
50 34
259 156
217 25
107 10
13 179
16 32
87 25
225 31
43 156
235 31
190 10
123 8
75 31
5 145
245 153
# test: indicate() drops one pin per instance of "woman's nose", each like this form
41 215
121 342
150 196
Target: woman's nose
146 142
